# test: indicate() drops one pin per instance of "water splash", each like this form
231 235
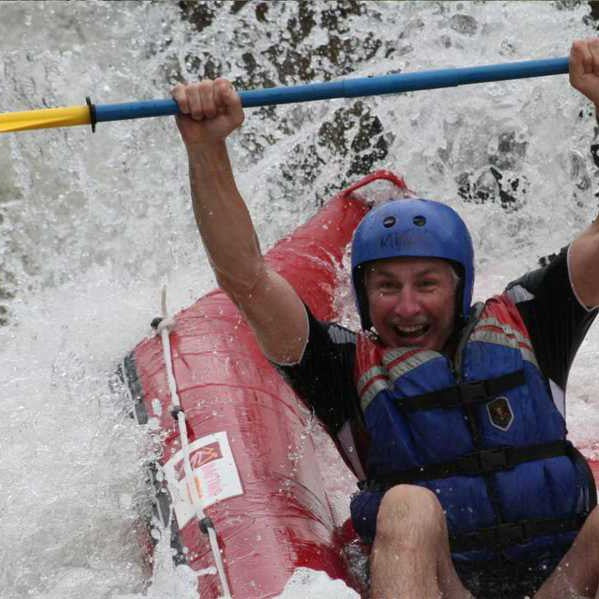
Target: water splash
91 226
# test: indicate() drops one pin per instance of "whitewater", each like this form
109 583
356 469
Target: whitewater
93 225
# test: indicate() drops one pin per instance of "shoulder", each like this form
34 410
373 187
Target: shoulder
503 309
336 333
554 318
324 375
323 337
551 276
328 337
546 295
551 282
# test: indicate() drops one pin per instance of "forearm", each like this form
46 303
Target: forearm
210 111
584 251
223 219
268 301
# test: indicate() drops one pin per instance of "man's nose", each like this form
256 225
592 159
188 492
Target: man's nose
407 304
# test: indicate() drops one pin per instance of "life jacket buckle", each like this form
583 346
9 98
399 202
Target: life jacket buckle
491 460
473 393
512 533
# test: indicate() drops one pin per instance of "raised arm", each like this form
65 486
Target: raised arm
584 252
211 111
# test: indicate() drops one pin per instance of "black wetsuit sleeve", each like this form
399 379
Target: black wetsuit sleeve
555 319
324 376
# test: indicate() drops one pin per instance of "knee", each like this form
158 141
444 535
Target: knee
592 524
587 541
410 510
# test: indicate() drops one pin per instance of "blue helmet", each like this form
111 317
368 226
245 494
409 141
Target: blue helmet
416 228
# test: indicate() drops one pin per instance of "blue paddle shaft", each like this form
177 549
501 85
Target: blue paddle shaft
351 88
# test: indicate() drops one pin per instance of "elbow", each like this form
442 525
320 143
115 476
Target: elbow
583 268
240 286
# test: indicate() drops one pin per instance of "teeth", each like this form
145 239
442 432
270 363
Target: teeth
411 330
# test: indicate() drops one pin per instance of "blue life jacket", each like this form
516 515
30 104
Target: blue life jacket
482 433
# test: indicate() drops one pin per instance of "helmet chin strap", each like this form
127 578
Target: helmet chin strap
458 322
451 345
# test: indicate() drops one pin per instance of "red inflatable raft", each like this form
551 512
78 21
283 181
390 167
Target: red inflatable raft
246 428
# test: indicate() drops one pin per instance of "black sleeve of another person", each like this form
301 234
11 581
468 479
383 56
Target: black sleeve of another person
556 321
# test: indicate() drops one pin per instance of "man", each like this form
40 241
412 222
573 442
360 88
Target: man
461 404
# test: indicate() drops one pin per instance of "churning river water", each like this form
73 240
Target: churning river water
91 226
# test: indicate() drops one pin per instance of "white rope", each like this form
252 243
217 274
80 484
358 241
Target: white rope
163 329
127 388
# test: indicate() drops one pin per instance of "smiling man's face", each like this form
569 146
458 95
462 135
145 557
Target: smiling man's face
412 301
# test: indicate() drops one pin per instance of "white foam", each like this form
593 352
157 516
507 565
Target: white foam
316 585
92 225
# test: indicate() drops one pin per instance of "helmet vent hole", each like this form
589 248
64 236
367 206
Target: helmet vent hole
419 221
389 221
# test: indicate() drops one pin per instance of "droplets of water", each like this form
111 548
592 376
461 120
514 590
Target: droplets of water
319 584
92 225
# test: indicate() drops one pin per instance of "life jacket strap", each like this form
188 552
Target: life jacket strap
513 533
485 461
463 394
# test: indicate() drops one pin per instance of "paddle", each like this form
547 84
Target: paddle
348 88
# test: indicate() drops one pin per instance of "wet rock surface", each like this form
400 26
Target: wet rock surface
309 42
306 43
498 181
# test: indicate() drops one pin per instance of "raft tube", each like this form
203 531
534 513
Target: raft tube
246 427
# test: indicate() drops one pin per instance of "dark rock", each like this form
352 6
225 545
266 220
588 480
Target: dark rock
493 186
568 4
199 14
261 11
463 24
292 66
3 315
545 260
301 27
237 5
204 66
368 144
342 51
510 151
333 18
445 41
8 290
304 166
578 172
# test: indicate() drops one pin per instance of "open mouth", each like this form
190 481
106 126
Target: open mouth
412 332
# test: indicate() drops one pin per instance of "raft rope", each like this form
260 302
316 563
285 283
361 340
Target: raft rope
163 327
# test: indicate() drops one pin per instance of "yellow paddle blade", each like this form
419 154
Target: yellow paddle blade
41 119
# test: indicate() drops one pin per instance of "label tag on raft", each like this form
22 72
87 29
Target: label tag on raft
215 475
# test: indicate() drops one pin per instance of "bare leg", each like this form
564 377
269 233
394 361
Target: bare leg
410 557
577 574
